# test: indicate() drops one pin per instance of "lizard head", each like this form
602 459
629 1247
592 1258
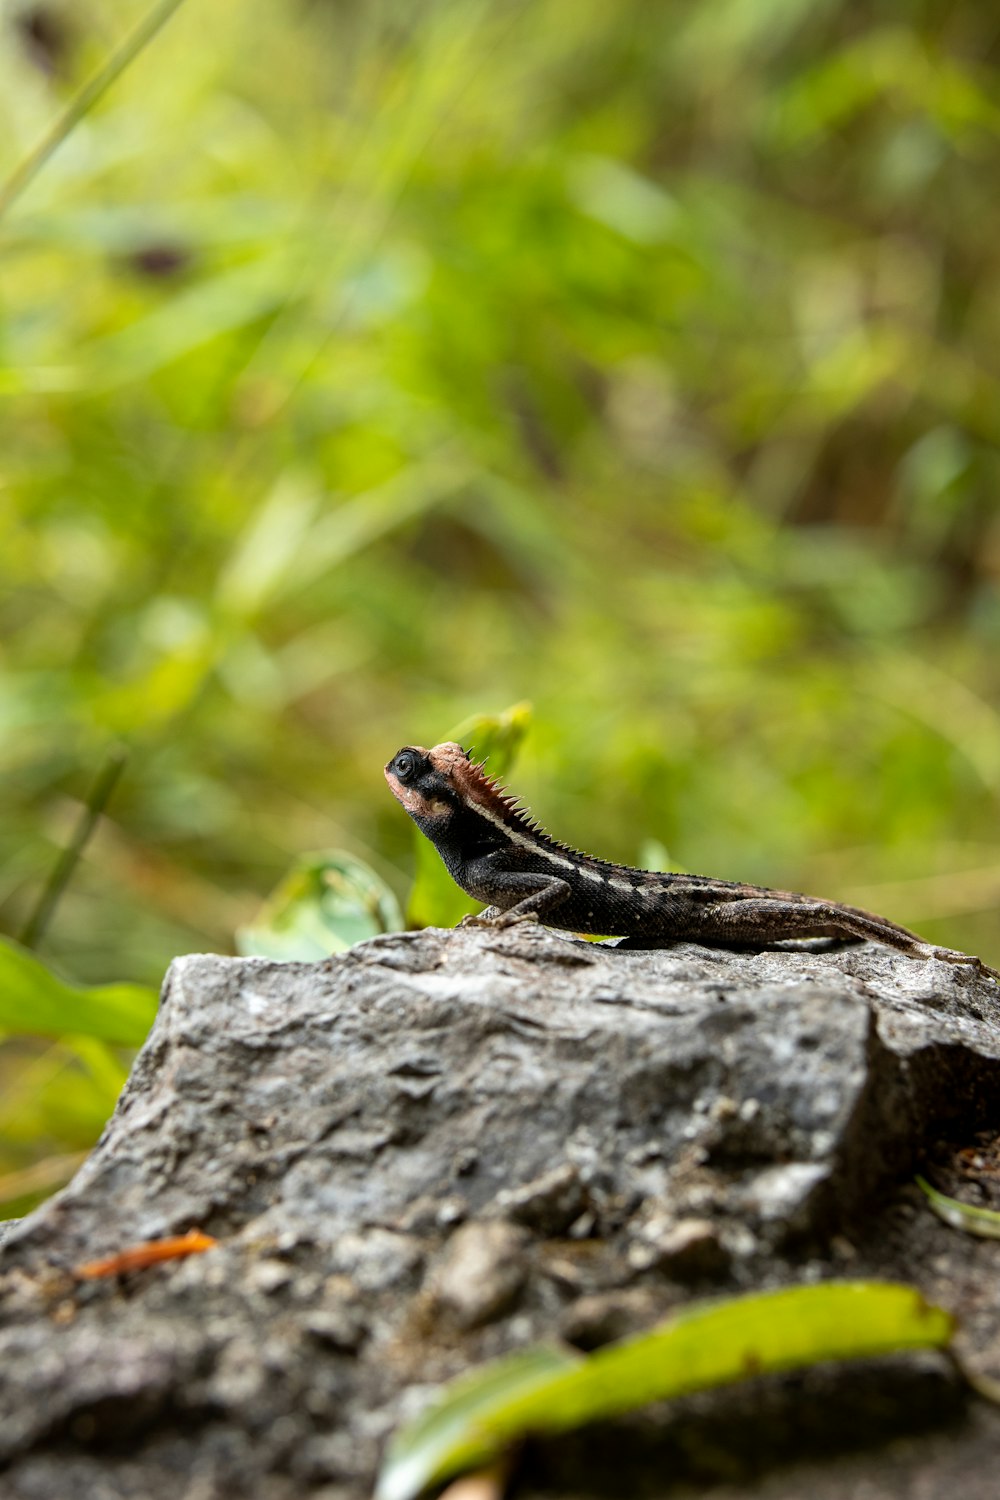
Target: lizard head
437 787
422 781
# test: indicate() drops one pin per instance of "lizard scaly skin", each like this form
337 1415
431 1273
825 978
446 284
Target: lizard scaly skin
496 852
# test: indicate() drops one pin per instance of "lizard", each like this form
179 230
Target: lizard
499 854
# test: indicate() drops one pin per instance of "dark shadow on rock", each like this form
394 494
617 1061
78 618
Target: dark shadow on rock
736 1436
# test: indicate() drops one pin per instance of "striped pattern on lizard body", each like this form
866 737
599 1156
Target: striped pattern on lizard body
496 851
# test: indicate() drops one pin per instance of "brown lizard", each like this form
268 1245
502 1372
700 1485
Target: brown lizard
496 851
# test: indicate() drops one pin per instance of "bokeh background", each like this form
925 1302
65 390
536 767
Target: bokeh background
368 365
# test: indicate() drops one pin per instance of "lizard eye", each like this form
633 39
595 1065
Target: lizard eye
405 765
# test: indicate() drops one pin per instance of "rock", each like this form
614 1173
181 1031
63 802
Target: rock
604 1317
685 1249
378 1259
439 1146
428 1214
7 1227
269 1276
481 1273
341 1327
549 1205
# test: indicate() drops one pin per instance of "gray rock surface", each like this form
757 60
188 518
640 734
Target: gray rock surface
439 1146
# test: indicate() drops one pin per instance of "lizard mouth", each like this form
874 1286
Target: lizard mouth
415 803
406 796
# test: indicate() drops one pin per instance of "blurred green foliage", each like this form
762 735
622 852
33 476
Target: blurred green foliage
325 904
33 1000
366 366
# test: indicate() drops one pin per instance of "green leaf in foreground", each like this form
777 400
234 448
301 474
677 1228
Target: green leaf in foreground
984 1222
447 1437
36 1002
436 901
551 1390
326 903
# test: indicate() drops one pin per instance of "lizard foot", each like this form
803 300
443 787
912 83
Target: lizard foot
515 919
495 918
954 956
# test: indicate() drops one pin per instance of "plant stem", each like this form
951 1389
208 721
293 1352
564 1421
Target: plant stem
110 70
62 870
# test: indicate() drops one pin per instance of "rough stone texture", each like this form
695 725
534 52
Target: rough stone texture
441 1146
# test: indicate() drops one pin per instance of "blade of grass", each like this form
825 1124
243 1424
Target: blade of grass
62 870
984 1222
111 69
441 1441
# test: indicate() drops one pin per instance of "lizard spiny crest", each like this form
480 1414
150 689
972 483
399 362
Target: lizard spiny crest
476 787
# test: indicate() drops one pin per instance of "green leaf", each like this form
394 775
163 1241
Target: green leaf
435 900
327 902
62 1095
446 1437
984 1222
707 1345
56 1098
34 1001
495 737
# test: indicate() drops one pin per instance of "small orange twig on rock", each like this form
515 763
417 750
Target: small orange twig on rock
137 1257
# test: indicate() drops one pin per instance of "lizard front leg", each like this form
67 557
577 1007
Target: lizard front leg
532 896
